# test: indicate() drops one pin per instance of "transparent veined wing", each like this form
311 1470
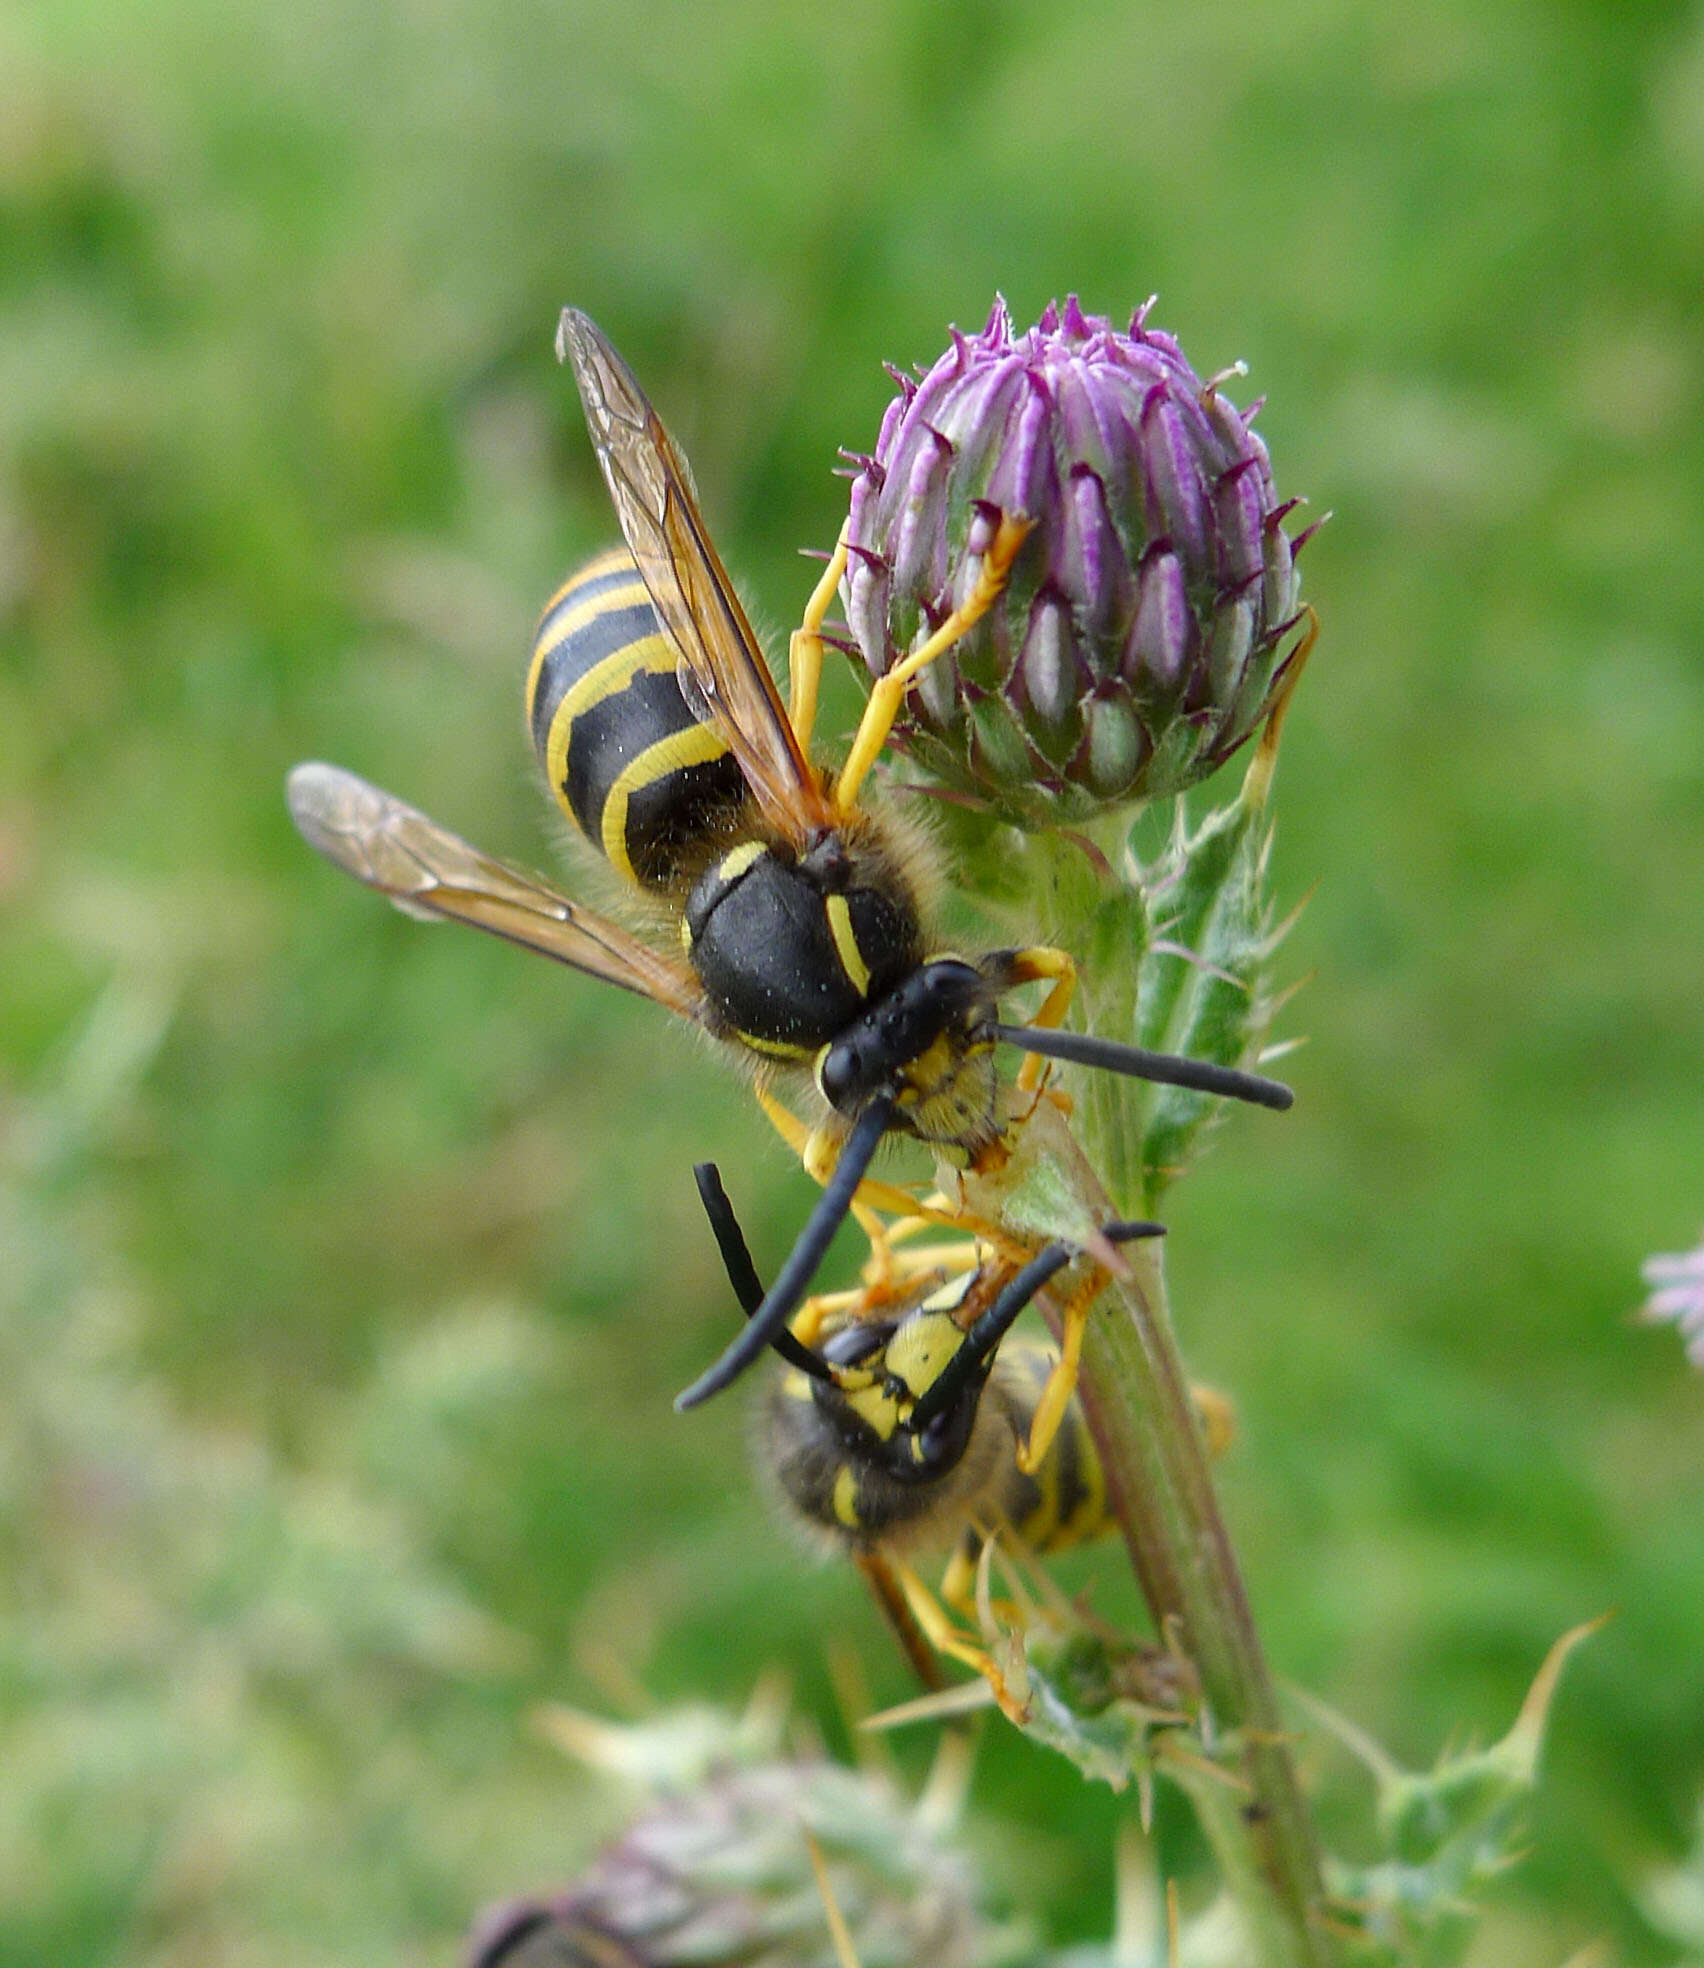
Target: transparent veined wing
428 871
655 501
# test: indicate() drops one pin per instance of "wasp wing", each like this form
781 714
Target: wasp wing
427 871
655 501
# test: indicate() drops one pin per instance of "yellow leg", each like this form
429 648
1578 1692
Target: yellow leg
804 651
1217 1415
1062 1381
889 691
1060 970
958 1581
946 1639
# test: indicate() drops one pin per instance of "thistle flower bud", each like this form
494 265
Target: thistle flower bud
1135 645
718 1868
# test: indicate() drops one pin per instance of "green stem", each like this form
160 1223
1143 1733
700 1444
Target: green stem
1132 1379
1139 1408
1144 1424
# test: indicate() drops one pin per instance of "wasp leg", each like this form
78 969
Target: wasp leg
914 1642
1062 1381
804 650
1039 963
818 1150
958 1581
946 1639
889 691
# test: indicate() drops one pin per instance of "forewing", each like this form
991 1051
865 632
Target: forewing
651 485
428 871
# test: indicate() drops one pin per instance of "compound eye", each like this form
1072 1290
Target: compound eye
942 1440
840 1074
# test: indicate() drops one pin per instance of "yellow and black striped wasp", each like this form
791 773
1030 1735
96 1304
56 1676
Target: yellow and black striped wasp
798 919
908 1420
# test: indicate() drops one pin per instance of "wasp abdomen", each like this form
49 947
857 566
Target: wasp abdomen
639 776
1065 1501
786 964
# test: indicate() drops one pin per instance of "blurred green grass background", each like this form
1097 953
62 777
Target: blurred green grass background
349 1266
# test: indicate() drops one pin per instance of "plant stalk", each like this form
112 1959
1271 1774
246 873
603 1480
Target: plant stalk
1139 1408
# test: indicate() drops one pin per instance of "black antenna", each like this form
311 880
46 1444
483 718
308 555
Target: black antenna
788 1291
742 1273
1137 1063
971 1360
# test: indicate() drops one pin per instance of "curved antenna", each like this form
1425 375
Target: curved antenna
971 1360
788 1291
742 1273
1137 1063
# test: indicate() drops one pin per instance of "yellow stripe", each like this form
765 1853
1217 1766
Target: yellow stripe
586 612
851 957
846 1497
773 1048
732 866
699 744
615 672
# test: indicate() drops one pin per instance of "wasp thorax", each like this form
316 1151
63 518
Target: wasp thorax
790 950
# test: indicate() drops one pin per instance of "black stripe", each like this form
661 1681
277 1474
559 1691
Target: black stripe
583 587
611 733
677 811
1067 1451
606 634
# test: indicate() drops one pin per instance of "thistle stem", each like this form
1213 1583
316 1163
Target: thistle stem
1138 1404
1144 1424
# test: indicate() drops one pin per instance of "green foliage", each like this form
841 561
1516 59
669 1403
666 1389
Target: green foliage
1445 1836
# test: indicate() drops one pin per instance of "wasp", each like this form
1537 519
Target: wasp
800 929
910 1421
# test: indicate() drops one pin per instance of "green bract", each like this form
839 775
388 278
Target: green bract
1137 642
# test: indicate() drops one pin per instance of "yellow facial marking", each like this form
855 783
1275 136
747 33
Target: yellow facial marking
922 1347
875 1409
846 944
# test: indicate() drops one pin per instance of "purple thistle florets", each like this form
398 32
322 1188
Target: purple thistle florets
1136 644
1677 1295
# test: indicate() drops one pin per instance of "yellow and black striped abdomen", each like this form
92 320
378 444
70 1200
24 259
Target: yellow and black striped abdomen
649 786
1064 1502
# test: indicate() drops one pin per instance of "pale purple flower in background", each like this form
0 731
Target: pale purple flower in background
1677 1293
